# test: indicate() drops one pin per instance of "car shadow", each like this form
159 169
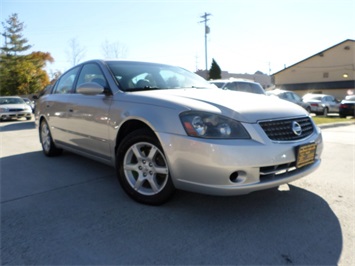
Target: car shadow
17 125
71 210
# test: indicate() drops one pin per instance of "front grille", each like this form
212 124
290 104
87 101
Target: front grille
281 130
16 110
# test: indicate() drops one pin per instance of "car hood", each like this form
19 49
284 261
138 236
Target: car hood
14 106
245 107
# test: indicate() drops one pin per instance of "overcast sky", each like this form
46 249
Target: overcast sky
245 35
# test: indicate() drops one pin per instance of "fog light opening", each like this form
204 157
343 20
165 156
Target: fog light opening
236 177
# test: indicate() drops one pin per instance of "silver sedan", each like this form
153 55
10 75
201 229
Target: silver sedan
14 107
165 128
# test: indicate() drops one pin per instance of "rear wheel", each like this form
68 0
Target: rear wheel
142 168
48 146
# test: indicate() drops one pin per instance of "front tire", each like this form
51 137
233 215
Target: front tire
142 168
48 146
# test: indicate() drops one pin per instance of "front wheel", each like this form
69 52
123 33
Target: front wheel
142 168
48 146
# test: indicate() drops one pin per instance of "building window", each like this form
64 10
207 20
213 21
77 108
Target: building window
325 75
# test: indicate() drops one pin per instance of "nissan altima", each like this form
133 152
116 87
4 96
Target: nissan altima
164 128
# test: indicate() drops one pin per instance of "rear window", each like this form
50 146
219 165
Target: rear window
245 87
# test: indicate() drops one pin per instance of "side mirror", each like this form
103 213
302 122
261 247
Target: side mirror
90 88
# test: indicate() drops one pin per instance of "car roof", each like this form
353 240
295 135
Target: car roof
278 91
232 80
10 97
315 95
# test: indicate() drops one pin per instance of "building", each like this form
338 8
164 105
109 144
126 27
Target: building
331 71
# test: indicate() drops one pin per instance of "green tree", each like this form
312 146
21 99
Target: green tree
20 73
215 71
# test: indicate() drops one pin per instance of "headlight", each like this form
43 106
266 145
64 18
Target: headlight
207 125
3 109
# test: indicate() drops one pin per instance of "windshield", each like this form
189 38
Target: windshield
11 101
135 76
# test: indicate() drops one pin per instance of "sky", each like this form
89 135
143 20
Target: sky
245 35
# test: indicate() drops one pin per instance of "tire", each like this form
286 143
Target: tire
325 111
142 168
48 146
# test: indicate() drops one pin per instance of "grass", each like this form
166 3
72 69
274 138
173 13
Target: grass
330 119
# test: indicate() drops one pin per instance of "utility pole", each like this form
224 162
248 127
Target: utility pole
207 31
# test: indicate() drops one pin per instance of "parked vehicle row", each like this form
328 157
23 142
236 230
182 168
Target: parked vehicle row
319 104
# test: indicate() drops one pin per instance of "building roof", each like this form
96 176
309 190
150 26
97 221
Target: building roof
317 54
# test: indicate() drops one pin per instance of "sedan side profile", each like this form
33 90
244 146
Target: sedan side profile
322 104
164 128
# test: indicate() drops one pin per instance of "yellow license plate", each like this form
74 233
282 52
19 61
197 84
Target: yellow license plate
306 154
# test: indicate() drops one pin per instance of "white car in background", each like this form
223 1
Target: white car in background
242 85
14 107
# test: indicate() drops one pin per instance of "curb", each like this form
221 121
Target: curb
339 124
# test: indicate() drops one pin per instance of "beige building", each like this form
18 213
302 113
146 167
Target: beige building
331 71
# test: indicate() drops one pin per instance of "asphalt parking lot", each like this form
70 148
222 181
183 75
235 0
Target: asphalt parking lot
70 210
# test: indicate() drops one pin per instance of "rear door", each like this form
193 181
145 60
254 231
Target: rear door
56 105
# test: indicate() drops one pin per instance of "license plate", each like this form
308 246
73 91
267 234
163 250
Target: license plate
306 154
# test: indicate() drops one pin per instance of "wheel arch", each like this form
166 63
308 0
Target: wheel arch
128 127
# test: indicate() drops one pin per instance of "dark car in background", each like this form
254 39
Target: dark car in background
243 85
347 106
291 97
322 104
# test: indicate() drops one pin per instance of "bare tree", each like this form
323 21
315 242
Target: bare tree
113 50
76 52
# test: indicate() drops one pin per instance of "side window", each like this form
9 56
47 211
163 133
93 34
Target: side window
65 83
297 98
91 73
289 96
231 86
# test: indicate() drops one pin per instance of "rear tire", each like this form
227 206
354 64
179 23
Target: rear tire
142 168
48 146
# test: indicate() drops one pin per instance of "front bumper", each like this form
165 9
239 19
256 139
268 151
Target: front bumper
15 115
235 167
